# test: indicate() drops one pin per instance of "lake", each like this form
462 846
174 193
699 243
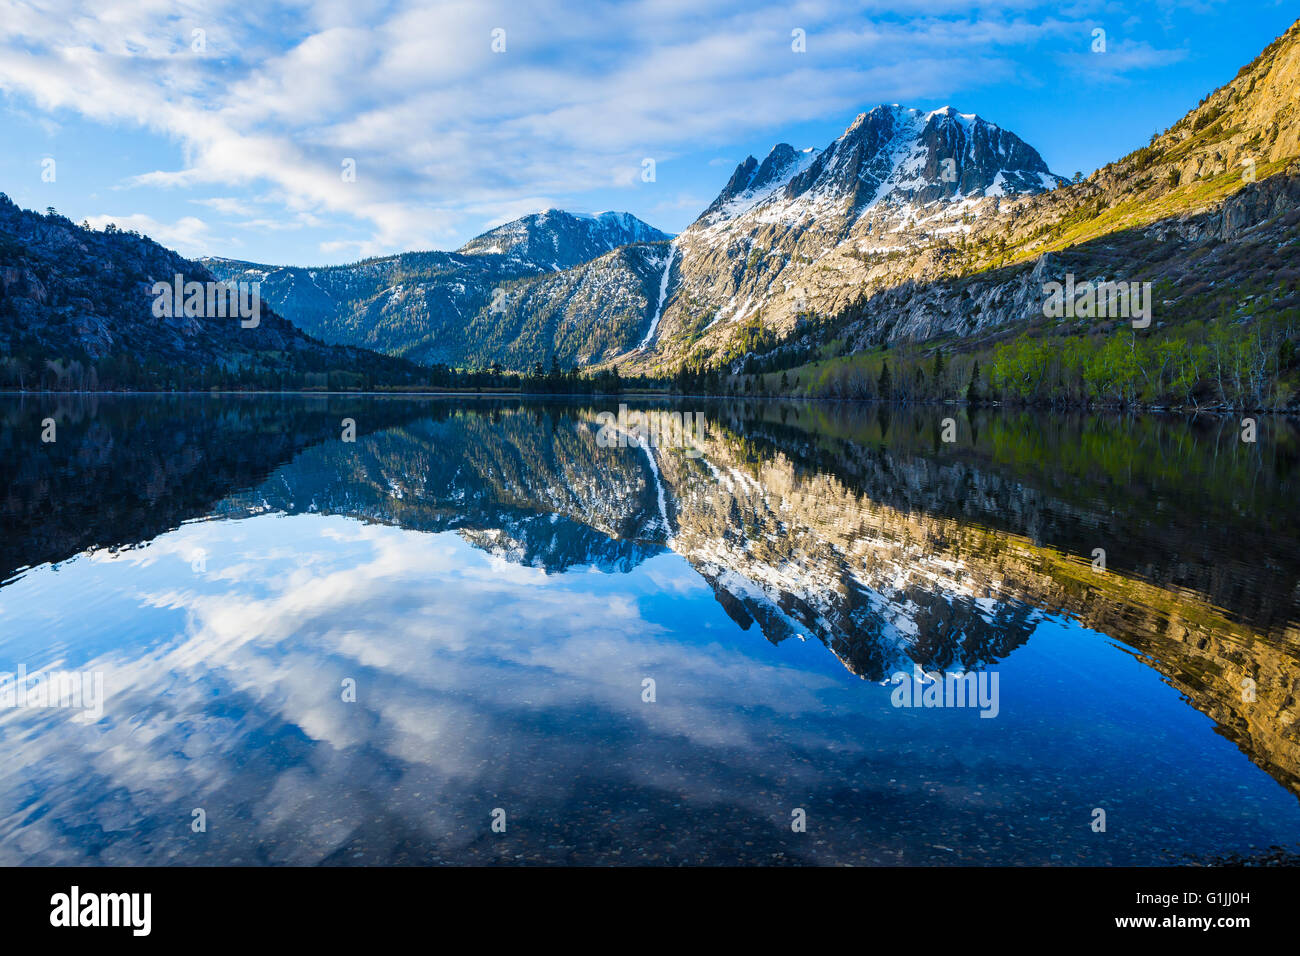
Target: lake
372 630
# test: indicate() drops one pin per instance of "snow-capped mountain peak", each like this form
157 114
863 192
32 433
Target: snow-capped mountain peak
562 238
891 153
753 182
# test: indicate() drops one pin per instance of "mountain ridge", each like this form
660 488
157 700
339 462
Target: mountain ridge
80 308
893 159
889 278
420 305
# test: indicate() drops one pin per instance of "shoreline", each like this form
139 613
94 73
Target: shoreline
678 397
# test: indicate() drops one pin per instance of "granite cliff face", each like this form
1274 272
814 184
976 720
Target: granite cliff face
1246 241
579 316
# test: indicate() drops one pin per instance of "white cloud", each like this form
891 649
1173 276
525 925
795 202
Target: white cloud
188 235
1120 58
441 128
454 654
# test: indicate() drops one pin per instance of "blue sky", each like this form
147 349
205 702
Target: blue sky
232 141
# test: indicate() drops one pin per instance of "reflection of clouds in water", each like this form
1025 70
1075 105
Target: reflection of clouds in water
472 675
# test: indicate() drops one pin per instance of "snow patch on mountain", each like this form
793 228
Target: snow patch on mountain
752 183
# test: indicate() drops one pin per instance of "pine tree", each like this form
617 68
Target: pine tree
972 390
884 385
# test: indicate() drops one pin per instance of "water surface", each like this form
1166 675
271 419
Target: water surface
499 588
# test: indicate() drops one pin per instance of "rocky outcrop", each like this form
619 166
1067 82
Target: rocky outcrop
581 316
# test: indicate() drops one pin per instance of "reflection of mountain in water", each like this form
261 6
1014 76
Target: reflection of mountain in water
950 557
947 553
858 530
800 550
530 487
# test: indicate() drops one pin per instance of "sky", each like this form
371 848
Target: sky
327 132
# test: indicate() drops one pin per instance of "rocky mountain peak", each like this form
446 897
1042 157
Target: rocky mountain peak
889 153
753 182
555 238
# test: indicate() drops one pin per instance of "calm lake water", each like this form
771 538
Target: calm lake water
313 650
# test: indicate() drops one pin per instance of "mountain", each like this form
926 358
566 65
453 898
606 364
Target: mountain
866 248
78 309
891 154
893 177
783 230
912 231
753 182
562 239
421 305
916 227
581 316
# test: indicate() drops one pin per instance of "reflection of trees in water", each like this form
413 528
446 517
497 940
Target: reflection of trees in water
125 469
